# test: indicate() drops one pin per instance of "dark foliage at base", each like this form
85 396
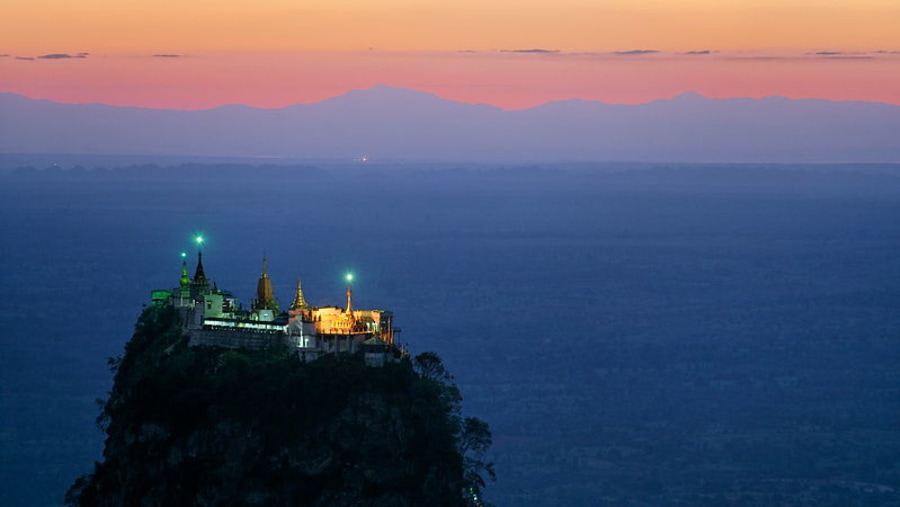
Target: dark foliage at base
202 426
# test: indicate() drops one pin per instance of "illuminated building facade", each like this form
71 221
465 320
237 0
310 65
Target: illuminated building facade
213 317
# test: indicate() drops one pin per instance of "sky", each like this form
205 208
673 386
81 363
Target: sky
196 54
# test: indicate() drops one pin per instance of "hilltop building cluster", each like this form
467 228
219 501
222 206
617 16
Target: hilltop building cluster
214 317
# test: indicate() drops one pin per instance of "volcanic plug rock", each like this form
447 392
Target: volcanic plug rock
214 427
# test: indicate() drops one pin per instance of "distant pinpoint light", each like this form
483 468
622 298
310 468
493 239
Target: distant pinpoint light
349 277
183 255
199 240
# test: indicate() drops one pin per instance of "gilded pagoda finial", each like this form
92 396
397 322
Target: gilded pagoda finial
299 300
265 295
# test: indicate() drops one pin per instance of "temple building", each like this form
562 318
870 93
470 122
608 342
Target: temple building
214 317
265 295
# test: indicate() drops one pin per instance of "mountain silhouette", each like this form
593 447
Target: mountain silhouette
385 122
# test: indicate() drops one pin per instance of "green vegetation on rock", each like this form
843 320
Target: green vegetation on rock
214 427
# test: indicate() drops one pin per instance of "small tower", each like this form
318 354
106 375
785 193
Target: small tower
299 301
349 317
265 296
199 284
184 284
349 309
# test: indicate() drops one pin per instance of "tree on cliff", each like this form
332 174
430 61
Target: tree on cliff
213 427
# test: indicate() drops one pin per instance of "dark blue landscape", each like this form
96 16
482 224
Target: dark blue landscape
635 334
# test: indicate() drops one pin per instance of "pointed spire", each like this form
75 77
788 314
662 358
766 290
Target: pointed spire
299 300
265 295
349 309
199 275
185 280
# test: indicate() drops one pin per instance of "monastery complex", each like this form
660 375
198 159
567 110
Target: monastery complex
213 317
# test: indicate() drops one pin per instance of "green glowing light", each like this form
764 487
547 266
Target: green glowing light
198 239
349 277
183 255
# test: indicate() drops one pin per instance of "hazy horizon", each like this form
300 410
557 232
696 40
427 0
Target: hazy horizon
389 123
673 96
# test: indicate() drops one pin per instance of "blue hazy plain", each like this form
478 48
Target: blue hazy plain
631 334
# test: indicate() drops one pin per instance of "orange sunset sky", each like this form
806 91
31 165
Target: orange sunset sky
193 54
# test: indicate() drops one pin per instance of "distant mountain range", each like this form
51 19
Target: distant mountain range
386 123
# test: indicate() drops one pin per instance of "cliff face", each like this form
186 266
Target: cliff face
203 426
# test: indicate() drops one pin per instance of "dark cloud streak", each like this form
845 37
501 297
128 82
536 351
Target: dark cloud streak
636 52
533 50
167 55
841 55
713 53
762 58
63 56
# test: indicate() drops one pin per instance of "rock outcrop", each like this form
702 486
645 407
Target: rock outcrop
214 427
